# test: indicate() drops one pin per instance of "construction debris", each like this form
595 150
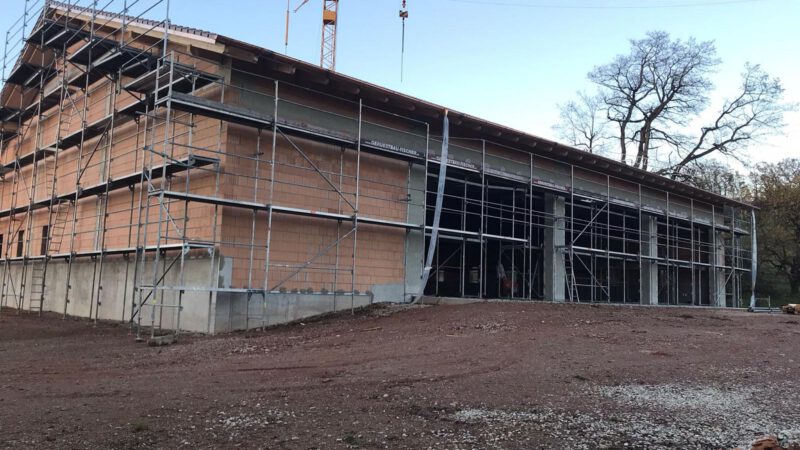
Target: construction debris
158 341
774 443
765 443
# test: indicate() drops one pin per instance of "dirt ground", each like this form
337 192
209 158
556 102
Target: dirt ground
484 375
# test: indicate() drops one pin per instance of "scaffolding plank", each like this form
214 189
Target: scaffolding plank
131 61
217 110
65 38
51 96
340 217
93 49
56 34
28 159
244 116
22 73
131 179
7 115
92 130
83 76
175 195
389 223
135 108
7 134
316 133
40 77
184 79
83 134
111 251
49 100
8 130
243 204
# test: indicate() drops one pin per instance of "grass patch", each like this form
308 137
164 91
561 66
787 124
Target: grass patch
137 426
351 439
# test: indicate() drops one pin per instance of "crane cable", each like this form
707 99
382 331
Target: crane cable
286 29
403 16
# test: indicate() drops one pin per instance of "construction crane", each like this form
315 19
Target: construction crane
330 12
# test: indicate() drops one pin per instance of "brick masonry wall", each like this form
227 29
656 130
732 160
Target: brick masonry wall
296 239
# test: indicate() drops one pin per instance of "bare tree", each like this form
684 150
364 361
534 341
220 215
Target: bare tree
652 94
755 112
583 124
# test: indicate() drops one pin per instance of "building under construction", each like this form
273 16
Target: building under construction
176 178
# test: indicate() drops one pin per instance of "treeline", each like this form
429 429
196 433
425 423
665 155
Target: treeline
773 188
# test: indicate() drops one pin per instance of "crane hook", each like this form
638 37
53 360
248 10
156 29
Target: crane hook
403 17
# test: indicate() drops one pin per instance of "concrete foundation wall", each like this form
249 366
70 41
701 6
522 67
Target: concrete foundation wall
202 311
234 312
115 302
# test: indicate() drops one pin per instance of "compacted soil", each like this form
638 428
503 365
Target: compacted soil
483 375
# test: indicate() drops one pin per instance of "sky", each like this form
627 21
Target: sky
510 61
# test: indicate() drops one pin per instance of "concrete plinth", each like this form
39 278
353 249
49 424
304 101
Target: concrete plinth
554 241
648 281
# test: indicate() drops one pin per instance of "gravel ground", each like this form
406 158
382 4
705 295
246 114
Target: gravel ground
478 376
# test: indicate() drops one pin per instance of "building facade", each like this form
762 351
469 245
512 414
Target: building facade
180 179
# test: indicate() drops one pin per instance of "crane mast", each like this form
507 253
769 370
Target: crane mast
330 9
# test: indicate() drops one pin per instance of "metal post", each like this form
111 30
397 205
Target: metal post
107 180
160 223
141 227
669 258
253 216
641 245
167 25
355 211
692 258
463 239
130 230
571 275
338 228
184 239
608 238
214 266
713 281
79 168
421 290
513 235
270 205
482 270
530 230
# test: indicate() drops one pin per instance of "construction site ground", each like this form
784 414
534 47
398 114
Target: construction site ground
483 375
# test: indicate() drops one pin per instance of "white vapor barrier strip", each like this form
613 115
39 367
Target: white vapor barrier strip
426 271
753 261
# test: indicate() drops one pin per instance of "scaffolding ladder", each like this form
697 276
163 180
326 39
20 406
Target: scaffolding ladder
57 225
569 275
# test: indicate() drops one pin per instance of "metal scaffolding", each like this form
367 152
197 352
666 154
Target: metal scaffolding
203 166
